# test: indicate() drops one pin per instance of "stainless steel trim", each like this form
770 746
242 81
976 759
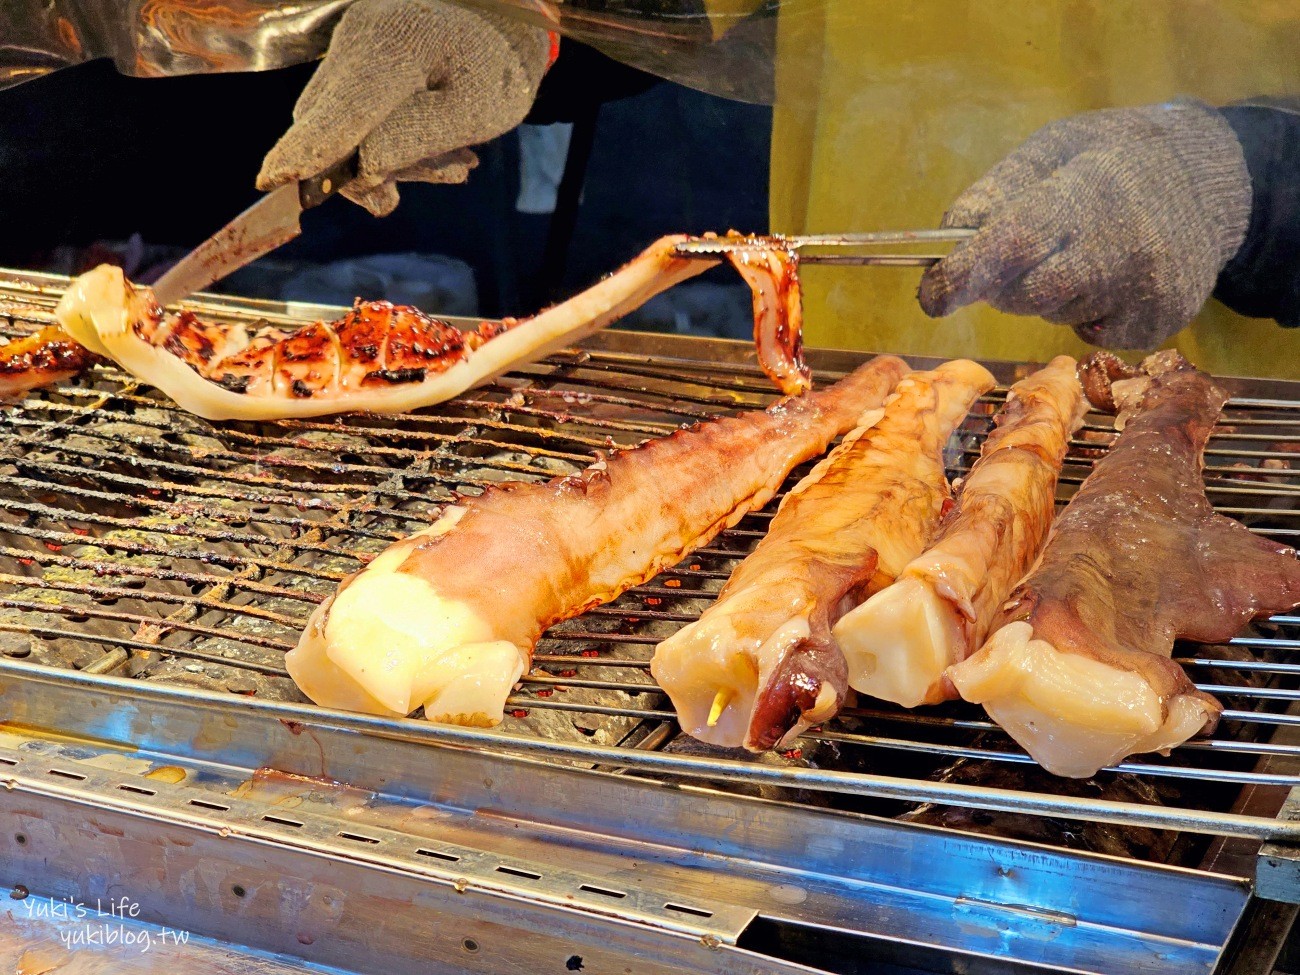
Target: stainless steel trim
684 766
190 801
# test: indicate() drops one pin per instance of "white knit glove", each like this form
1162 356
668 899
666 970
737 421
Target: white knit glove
1115 222
413 83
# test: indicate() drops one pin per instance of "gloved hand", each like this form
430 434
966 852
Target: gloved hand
1115 222
413 83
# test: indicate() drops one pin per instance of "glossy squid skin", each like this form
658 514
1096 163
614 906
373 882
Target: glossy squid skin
1006 504
900 641
771 269
842 533
1098 374
376 343
385 358
521 557
1139 558
378 358
36 360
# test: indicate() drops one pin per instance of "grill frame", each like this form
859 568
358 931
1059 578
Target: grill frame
191 798
683 379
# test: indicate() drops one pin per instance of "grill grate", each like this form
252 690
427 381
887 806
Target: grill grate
139 542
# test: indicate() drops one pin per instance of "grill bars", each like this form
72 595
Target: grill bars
137 541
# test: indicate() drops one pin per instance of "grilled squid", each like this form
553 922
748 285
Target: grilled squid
447 619
760 665
380 357
900 641
1078 667
772 272
36 360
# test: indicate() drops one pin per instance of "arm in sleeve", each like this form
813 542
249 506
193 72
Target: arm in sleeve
1263 278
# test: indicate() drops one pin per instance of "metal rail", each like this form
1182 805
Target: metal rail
138 542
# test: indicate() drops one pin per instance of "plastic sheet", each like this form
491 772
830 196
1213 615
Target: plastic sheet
721 46
149 38
884 111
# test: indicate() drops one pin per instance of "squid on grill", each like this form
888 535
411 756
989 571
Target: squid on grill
447 619
1078 668
36 360
384 358
899 642
760 665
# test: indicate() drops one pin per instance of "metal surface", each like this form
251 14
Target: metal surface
154 568
809 247
45 935
429 844
1278 875
1260 938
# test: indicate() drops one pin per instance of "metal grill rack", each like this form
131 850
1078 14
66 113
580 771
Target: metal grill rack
139 542
154 569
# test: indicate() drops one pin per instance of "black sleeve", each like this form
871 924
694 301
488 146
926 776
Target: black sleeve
1263 279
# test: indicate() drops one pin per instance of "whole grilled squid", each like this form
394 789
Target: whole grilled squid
447 619
380 357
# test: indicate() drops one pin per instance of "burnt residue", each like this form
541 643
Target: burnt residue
396 377
234 383
792 758
1127 841
374 342
38 359
190 339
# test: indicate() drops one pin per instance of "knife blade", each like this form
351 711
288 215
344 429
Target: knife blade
269 223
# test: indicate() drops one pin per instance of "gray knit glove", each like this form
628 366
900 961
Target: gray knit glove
1114 222
413 83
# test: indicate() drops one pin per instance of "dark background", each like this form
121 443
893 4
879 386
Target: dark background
88 156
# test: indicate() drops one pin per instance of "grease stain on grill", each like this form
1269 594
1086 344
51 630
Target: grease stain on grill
171 774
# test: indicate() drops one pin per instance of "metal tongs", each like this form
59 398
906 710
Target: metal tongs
839 247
